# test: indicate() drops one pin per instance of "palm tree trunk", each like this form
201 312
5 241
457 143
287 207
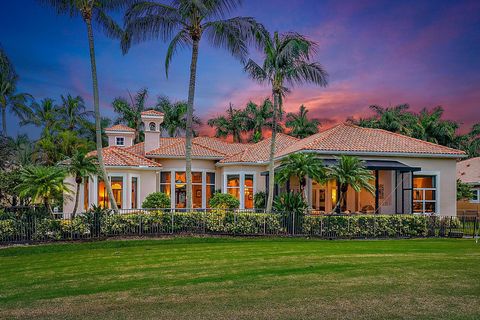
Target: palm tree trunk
77 197
189 131
271 171
4 120
98 128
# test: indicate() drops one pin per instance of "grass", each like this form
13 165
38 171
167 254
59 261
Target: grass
233 278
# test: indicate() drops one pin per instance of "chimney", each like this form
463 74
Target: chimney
152 120
120 135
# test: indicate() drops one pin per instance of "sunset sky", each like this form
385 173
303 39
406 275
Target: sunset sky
424 53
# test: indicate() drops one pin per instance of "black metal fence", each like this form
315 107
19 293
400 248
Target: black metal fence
155 222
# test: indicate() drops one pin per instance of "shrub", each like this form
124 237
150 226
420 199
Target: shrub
290 202
7 229
156 200
260 200
224 201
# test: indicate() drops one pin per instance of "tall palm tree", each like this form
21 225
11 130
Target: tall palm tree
74 112
174 116
435 129
259 117
301 166
81 167
94 11
45 115
301 127
130 112
44 184
88 130
350 172
234 123
9 98
286 61
185 22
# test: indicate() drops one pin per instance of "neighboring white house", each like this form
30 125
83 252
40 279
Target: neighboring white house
412 176
468 171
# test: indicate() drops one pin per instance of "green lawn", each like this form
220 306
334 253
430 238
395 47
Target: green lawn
232 278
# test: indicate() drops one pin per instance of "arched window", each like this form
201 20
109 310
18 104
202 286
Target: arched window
152 126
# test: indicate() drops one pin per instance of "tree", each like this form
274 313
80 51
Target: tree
435 129
130 112
45 115
301 166
301 127
88 130
81 167
185 22
9 98
259 117
286 61
350 172
234 123
175 116
96 12
43 184
464 191
73 112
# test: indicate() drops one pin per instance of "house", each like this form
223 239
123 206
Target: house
468 171
411 176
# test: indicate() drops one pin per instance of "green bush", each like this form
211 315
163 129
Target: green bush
224 201
290 202
156 200
260 200
7 229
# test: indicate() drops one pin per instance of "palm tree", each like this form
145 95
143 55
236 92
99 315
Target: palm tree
301 166
286 61
175 116
130 112
73 112
43 183
45 115
185 22
96 12
259 117
88 130
9 98
301 127
350 172
80 166
234 123
435 129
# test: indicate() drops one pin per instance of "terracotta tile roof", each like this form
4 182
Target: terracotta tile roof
138 149
151 113
260 152
202 147
120 127
120 157
351 138
469 170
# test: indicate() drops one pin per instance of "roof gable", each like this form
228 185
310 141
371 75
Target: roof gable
120 157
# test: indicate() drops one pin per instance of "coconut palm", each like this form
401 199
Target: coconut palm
435 129
301 166
44 114
301 127
43 184
259 117
175 116
286 61
351 172
94 12
234 123
9 98
81 167
74 112
185 22
130 112
88 130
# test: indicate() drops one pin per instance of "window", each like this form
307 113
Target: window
248 192
424 194
152 126
120 141
242 188
134 192
165 182
476 196
233 185
210 187
86 200
180 190
117 189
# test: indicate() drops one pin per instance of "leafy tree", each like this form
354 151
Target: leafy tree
96 12
175 116
74 113
81 167
350 172
259 117
43 184
224 201
88 130
464 191
45 115
301 127
185 22
435 129
130 112
234 123
9 98
156 200
301 166
286 61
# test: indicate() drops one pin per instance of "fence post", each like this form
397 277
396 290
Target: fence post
264 224
293 223
140 226
172 212
234 222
